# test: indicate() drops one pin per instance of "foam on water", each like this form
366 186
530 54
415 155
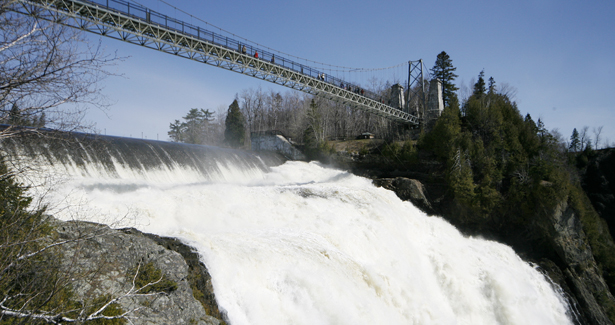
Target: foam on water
305 244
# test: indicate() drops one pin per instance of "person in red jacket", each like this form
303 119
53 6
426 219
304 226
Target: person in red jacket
256 54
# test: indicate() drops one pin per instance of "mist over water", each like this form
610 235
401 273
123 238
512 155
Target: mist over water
305 244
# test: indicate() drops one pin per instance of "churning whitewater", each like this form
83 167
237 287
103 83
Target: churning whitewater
301 243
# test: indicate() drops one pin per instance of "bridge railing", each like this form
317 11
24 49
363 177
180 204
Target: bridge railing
155 18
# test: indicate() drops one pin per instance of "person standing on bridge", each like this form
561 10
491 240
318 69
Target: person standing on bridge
272 58
256 54
243 49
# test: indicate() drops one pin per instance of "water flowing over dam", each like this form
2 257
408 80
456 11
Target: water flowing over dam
289 243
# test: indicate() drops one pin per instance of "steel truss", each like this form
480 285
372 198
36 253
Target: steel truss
415 91
139 28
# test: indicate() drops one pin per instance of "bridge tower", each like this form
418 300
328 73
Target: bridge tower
423 94
415 90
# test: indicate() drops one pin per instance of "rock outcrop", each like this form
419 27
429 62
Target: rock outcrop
563 231
106 261
598 181
406 189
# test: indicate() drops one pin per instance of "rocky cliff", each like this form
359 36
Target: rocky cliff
107 262
598 181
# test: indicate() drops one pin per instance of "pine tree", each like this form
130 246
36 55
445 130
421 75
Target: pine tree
443 69
234 135
312 133
491 85
197 122
575 142
177 130
441 139
42 120
460 177
194 129
15 115
480 86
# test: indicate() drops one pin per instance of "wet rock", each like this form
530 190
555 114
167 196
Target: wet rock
105 261
406 189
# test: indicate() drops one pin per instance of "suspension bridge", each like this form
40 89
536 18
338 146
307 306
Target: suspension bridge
137 24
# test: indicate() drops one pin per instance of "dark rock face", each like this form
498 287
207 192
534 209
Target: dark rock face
581 273
407 190
106 259
598 181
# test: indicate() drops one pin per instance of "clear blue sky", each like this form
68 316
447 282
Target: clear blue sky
559 55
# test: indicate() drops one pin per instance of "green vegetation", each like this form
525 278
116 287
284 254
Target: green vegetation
601 242
18 117
315 146
312 134
495 158
34 287
150 279
402 154
194 129
234 134
444 70
26 282
113 309
506 171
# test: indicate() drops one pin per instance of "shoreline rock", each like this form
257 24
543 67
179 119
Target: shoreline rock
106 259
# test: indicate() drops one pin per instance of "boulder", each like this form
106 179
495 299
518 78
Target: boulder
104 261
408 190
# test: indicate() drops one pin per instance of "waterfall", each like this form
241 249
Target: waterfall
294 242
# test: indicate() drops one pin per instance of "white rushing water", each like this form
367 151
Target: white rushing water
305 244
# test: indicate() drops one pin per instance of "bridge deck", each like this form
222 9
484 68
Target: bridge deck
140 25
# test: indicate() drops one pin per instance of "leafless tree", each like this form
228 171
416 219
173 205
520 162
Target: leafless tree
597 133
49 75
507 90
584 138
466 89
291 114
48 71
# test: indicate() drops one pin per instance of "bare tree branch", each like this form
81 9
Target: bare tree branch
48 73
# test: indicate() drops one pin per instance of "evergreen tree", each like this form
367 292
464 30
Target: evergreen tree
197 122
194 129
312 133
42 120
491 85
15 115
441 139
234 135
460 177
575 142
479 86
177 130
443 69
